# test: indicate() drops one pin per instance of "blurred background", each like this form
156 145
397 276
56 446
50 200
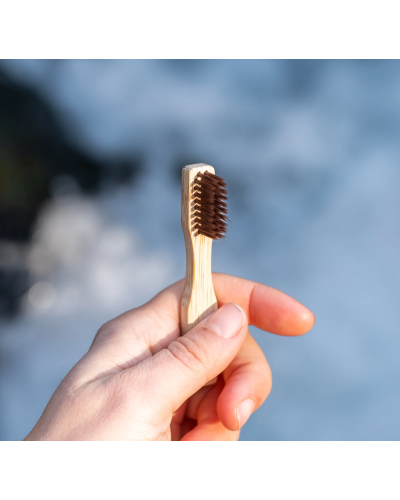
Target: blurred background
91 154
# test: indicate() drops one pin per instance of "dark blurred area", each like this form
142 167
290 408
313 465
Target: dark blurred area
36 159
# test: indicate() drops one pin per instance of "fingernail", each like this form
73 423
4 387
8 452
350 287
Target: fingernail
227 321
244 410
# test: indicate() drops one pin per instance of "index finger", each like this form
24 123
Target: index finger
267 308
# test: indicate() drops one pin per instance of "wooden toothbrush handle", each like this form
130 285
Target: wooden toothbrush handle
198 299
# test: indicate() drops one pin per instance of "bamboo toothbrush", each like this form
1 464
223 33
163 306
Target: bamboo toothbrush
204 219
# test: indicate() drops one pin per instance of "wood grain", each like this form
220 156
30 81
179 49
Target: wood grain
198 299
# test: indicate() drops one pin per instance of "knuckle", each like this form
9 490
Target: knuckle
189 353
108 327
101 332
105 331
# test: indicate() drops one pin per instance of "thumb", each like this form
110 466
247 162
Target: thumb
188 363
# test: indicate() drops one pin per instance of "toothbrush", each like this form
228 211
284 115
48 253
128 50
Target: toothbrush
204 219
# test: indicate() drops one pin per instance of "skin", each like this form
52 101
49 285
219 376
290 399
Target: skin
141 381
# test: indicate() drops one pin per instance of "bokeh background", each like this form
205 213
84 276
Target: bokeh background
90 159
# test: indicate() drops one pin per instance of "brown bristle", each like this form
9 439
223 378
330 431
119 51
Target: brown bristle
210 212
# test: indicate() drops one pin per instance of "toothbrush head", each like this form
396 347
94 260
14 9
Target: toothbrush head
210 212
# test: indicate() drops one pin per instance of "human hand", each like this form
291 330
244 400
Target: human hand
141 381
